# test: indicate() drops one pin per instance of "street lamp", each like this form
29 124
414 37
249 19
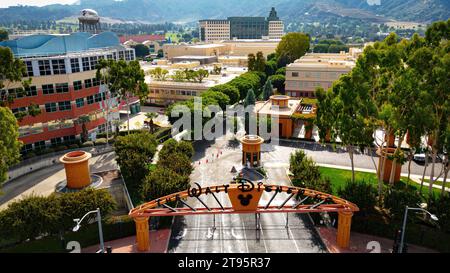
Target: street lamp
405 218
100 230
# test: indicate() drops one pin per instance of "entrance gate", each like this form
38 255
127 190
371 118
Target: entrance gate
244 198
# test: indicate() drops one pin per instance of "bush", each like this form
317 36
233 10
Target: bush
363 194
100 141
36 216
441 207
396 200
74 146
60 148
88 144
307 174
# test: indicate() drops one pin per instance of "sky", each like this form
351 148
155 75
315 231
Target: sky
6 3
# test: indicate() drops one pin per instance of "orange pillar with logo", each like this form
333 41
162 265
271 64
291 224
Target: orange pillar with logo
142 233
344 227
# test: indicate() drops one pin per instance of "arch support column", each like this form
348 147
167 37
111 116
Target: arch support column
142 234
344 227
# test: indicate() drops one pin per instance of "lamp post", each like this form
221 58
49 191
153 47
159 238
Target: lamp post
100 230
405 218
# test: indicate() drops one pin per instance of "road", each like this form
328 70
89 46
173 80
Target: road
44 181
238 233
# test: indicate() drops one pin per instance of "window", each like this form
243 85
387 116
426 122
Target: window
88 83
86 66
294 74
50 107
69 138
109 56
98 97
94 62
59 67
64 105
121 57
29 65
40 145
27 147
79 102
55 141
77 85
103 96
31 91
95 82
90 99
62 87
48 89
44 67
75 65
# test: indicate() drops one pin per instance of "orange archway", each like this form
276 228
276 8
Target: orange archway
244 198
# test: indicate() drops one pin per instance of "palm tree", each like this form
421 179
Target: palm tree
151 116
84 132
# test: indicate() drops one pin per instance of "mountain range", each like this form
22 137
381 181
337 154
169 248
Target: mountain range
157 11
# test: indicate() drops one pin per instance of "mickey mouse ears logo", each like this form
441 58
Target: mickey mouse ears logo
245 200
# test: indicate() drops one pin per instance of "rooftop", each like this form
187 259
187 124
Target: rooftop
265 108
53 45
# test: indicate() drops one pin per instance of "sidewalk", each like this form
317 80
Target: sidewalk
159 241
362 243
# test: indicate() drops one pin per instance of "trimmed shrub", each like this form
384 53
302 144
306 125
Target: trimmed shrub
100 141
60 148
363 194
74 146
88 144
396 200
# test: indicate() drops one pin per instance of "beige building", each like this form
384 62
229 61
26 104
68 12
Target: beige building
168 91
234 48
318 69
276 29
215 30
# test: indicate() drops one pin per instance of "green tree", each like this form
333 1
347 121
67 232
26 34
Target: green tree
250 98
251 62
291 47
159 74
141 50
361 193
278 81
83 120
271 68
201 74
260 63
177 162
151 116
162 182
134 155
3 35
229 90
12 71
222 99
267 90
131 84
9 144
325 116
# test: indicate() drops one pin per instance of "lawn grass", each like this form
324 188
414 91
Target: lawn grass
339 178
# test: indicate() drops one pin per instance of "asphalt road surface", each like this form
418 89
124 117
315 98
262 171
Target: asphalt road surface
237 233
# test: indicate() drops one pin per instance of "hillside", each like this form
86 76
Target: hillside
156 11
